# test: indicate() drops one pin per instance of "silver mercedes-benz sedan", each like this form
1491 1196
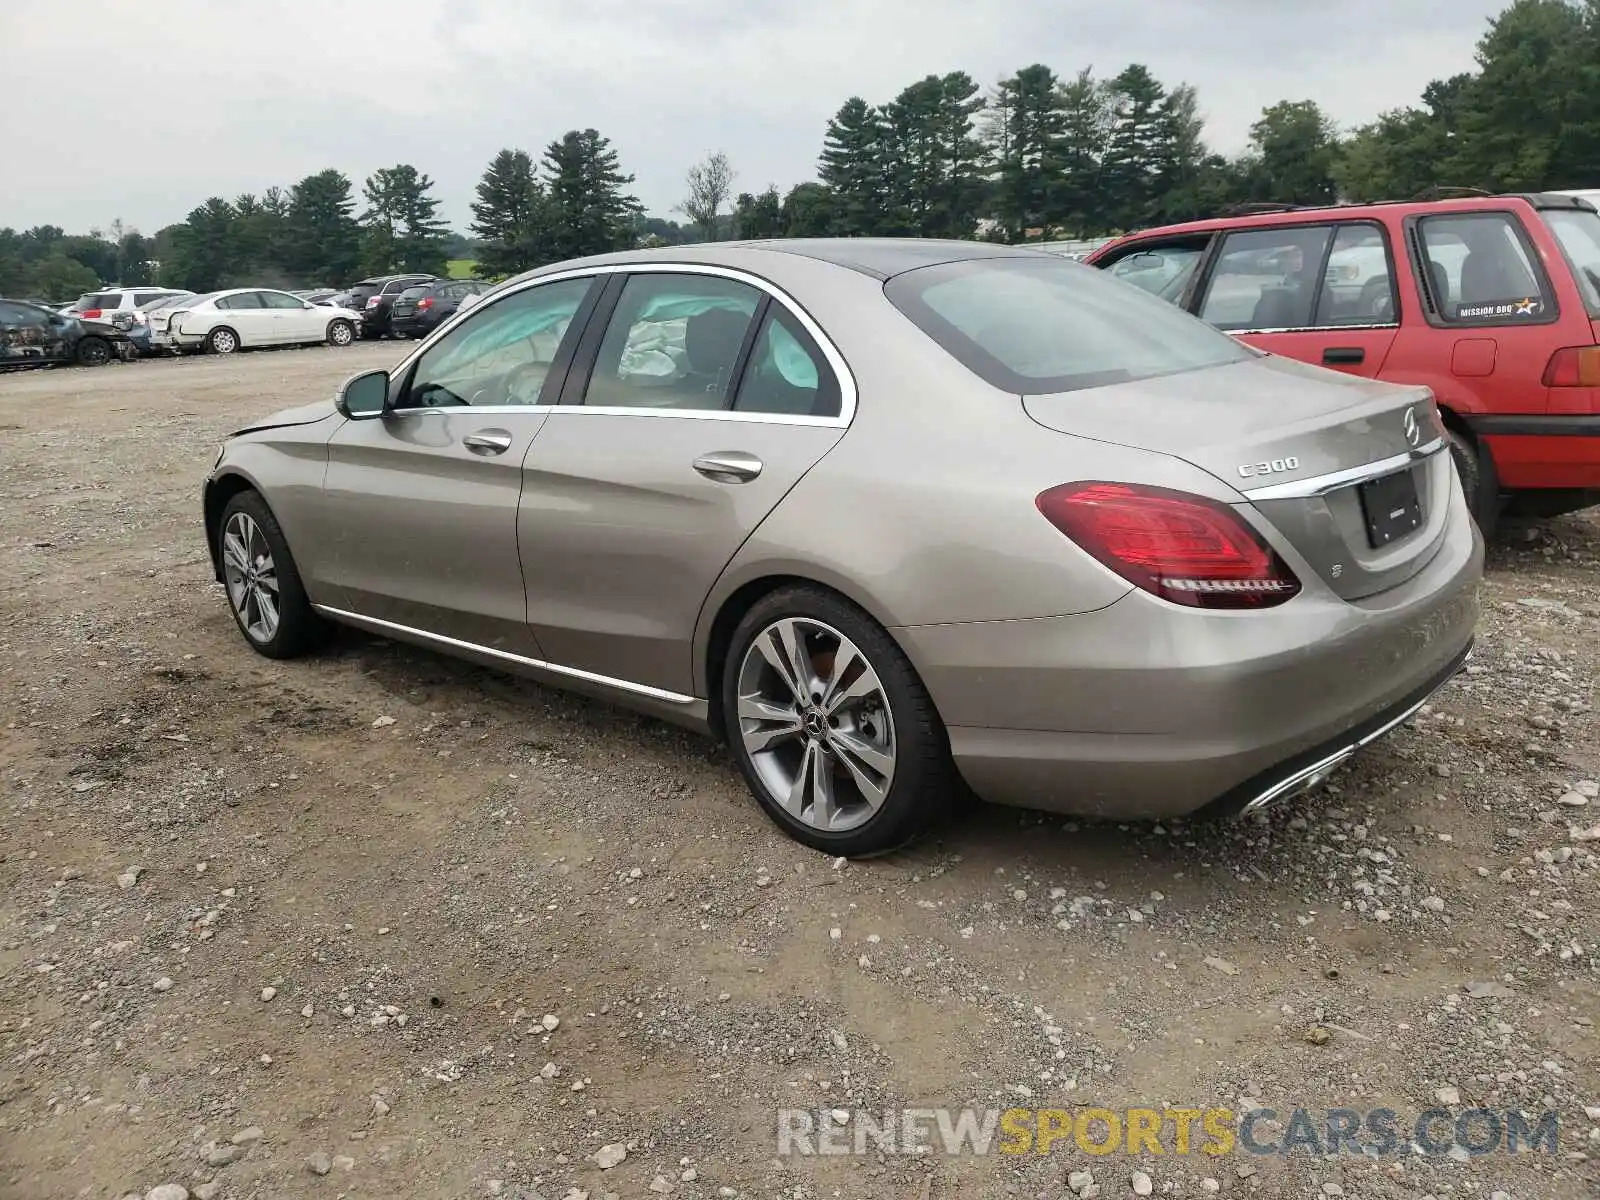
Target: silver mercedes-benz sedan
892 518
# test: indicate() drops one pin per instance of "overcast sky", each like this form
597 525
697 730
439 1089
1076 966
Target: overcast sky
141 111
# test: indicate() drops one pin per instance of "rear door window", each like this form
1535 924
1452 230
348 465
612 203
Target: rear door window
1266 279
1357 287
1480 271
241 301
1578 231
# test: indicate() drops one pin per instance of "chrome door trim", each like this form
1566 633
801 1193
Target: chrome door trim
621 685
1321 485
841 370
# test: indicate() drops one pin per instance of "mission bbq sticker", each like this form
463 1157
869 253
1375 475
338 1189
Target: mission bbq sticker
1522 307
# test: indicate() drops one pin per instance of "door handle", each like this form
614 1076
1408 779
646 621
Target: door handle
1343 354
728 466
487 441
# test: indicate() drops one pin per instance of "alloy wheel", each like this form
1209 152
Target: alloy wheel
816 723
340 334
251 577
223 342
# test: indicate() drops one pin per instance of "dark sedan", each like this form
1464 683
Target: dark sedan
31 335
420 309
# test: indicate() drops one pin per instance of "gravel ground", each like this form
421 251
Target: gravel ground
383 924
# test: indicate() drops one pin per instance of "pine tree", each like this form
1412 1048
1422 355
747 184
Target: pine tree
1078 200
590 210
1179 155
1127 173
1025 129
853 169
324 239
510 217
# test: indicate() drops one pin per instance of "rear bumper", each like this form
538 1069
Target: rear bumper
1560 450
1143 710
412 326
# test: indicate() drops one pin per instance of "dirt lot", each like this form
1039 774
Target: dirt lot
275 930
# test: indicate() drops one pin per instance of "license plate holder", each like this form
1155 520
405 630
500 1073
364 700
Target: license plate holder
1391 506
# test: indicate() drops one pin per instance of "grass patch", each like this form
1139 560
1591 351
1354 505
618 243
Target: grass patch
461 268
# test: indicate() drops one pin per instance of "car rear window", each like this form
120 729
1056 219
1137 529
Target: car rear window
1578 231
1037 325
416 291
98 300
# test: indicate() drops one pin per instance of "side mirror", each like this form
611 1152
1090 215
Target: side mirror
366 396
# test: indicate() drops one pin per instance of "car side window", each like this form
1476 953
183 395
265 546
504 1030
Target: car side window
1357 288
1266 279
501 354
1163 271
280 300
787 373
1479 270
673 341
243 300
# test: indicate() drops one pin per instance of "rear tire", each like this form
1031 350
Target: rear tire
847 754
265 595
1476 471
340 332
222 340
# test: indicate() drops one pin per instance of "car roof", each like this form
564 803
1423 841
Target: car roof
879 258
1269 217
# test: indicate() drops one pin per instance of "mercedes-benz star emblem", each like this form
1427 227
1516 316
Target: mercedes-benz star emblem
1412 429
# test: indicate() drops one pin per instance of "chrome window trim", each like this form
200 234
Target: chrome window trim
1321 485
1315 329
621 685
830 352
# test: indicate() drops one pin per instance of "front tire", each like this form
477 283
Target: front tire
222 340
340 333
831 727
93 352
265 595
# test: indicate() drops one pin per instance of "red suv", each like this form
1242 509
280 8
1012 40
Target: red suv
1493 302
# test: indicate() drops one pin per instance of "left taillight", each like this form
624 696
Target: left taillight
425 302
1574 366
1187 549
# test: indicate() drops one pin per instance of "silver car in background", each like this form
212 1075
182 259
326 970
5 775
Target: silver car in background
892 518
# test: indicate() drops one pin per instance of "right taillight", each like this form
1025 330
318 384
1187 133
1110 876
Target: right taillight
1575 366
1184 548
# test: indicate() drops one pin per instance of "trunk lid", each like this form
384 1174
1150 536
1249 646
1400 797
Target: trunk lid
1299 442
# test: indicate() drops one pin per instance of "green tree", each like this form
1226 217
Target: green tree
853 168
709 185
511 217
935 164
1080 202
93 251
1128 168
401 231
324 241
1179 156
1528 121
206 246
58 277
591 210
1295 147
758 216
1025 129
133 257
809 211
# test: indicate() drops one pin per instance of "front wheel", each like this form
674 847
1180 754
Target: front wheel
340 333
831 727
266 596
94 352
222 340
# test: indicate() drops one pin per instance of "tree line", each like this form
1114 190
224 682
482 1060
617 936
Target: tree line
1041 155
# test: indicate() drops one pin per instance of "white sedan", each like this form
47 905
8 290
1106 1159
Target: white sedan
243 318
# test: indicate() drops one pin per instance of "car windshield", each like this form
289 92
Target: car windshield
1036 325
155 302
1578 231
